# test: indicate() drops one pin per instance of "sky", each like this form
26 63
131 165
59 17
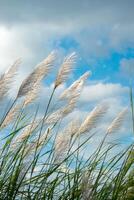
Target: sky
100 32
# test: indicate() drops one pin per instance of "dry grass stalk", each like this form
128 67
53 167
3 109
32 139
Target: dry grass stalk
32 95
37 75
30 147
29 98
86 186
12 71
62 142
44 137
93 118
54 117
37 143
117 122
61 146
7 78
75 87
11 115
71 104
25 134
65 69
72 127
62 112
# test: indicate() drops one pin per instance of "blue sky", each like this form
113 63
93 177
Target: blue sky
102 67
100 32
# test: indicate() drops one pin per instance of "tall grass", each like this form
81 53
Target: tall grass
42 159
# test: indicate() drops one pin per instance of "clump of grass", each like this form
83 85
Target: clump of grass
41 159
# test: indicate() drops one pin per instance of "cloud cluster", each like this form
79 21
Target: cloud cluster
102 91
61 12
98 27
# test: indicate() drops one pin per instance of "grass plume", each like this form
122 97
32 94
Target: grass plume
48 156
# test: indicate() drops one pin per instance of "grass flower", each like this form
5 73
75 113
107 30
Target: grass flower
117 122
37 75
7 78
93 118
65 69
76 87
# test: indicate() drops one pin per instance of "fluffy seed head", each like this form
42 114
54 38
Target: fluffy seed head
37 75
54 117
32 95
76 87
117 122
93 118
65 69
72 128
25 134
12 71
62 112
7 78
87 185
61 147
11 116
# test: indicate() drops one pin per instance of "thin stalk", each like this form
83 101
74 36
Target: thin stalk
8 111
132 107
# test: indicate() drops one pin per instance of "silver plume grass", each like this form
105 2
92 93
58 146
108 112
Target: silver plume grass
65 69
62 112
32 95
11 115
63 139
117 122
86 186
61 147
75 87
24 135
37 75
54 117
93 118
72 128
30 148
29 98
7 78
12 71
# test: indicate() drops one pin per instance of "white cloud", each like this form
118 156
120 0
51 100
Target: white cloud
98 28
102 91
12 46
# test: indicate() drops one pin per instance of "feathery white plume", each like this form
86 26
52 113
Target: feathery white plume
72 128
117 122
87 185
25 134
11 115
93 118
37 75
61 147
65 69
7 78
63 139
54 117
75 87
32 95
62 112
